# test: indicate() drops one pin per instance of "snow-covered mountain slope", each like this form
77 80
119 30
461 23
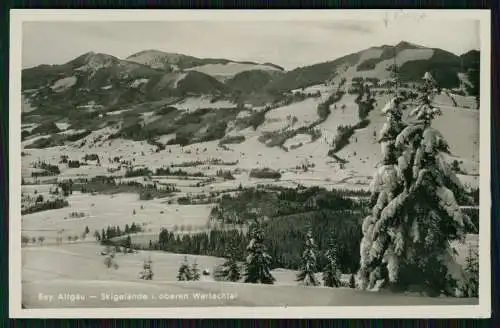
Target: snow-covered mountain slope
220 68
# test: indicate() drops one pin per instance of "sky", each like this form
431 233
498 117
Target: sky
289 44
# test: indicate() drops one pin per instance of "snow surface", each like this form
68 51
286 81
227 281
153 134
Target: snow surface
137 83
113 210
79 269
230 69
194 103
62 125
71 132
64 84
282 117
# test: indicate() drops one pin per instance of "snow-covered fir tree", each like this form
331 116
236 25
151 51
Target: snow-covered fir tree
309 262
195 271
331 272
471 286
258 262
184 273
230 268
415 213
147 273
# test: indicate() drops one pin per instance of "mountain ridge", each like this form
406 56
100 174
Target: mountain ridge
154 75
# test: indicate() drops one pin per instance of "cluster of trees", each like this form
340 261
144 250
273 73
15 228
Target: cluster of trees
111 232
77 136
232 140
49 169
46 128
73 164
255 119
91 157
284 239
344 132
365 102
25 240
106 184
159 145
251 257
249 203
305 167
188 272
45 205
227 175
168 171
76 215
324 107
138 172
265 173
66 187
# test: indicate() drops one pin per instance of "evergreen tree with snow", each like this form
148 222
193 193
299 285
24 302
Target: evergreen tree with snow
258 262
470 287
127 242
147 273
331 272
184 273
195 272
415 213
308 266
230 268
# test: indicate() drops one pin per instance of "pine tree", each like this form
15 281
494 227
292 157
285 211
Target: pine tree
184 273
415 214
331 272
195 272
87 231
127 242
258 262
109 261
470 287
308 266
230 269
147 273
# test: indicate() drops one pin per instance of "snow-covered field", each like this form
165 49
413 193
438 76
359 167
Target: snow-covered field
79 269
64 83
293 116
111 210
230 69
194 103
343 112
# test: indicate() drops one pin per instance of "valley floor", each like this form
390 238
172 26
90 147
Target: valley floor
74 275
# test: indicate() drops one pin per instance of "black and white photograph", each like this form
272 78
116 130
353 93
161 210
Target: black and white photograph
213 163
